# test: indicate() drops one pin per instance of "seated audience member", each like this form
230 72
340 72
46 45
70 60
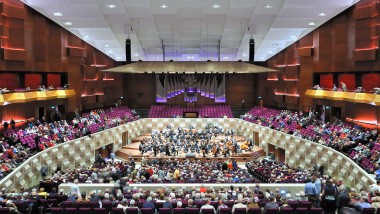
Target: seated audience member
239 205
207 206
83 198
271 204
149 204
124 205
12 207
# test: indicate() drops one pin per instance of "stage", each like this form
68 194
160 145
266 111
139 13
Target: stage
132 151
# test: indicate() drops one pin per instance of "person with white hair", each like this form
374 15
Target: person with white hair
123 204
179 204
168 203
12 207
207 205
74 188
239 204
149 204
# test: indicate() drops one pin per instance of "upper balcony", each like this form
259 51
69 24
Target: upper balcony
24 97
367 98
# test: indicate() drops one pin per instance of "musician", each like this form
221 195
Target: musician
155 149
204 149
167 149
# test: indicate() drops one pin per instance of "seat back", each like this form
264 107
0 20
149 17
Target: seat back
107 205
164 211
69 210
192 211
99 211
134 210
179 211
5 211
317 211
287 210
117 210
254 211
146 211
301 210
225 210
368 211
240 211
272 211
84 210
207 211
305 204
56 210
81 205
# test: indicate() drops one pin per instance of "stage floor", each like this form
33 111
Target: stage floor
132 151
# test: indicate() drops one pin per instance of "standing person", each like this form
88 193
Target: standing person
155 149
13 123
74 188
112 156
311 191
318 186
344 87
329 196
343 199
44 171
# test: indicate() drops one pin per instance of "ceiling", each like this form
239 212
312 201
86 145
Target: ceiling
190 30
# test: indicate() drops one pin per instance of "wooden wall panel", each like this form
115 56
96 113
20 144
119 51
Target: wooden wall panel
33 80
54 80
9 81
35 44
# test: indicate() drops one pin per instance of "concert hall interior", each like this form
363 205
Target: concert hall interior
189 106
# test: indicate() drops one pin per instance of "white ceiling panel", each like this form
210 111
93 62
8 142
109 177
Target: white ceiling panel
192 26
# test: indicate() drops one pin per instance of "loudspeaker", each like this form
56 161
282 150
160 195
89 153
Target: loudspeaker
190 155
128 56
251 51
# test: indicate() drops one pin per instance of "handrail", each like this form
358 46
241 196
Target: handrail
81 150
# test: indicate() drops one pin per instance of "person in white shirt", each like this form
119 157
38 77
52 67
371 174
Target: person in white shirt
207 206
239 205
123 205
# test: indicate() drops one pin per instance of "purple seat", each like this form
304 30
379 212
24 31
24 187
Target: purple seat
207 211
4 211
164 211
318 211
67 204
225 210
81 205
179 211
293 204
117 210
301 210
69 210
84 210
254 211
99 211
56 210
240 211
272 211
287 210
192 211
135 210
147 210
107 205
305 204
93 204
368 211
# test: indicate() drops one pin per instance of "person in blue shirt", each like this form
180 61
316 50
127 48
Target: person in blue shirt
149 204
363 203
377 173
168 203
311 191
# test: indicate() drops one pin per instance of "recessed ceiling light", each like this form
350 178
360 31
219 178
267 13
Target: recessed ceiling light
85 36
311 23
293 37
68 23
119 57
322 14
111 6
57 14
216 6
105 45
136 54
164 6
226 57
270 52
244 54
110 52
268 6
